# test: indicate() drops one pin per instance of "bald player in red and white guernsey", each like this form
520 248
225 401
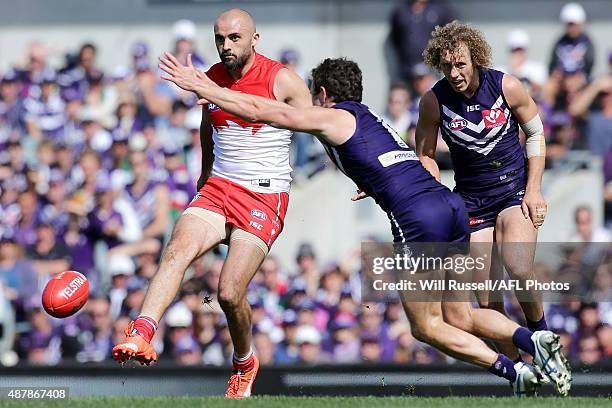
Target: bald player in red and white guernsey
242 198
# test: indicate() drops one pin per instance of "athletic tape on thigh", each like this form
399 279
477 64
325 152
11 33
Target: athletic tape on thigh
216 221
237 233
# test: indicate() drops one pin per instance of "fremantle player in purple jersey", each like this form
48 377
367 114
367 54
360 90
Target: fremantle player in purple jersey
479 110
420 209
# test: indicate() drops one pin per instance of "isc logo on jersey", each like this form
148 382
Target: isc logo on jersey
457 124
493 118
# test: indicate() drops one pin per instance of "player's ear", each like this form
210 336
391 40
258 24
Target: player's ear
324 97
255 39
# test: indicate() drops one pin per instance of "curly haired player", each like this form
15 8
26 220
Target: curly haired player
479 111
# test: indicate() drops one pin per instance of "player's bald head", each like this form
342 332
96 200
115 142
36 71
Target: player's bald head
235 38
236 19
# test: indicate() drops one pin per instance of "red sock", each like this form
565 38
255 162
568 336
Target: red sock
146 327
245 363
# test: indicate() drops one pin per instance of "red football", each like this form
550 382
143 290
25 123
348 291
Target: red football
65 294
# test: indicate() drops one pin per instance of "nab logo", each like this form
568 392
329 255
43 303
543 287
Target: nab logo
493 118
476 221
473 108
457 124
213 108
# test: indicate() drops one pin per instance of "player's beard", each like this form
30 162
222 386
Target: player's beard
235 64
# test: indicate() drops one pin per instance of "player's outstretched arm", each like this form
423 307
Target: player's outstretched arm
526 111
333 126
426 134
291 89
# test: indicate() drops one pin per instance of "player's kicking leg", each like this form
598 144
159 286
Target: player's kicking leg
196 231
246 253
428 325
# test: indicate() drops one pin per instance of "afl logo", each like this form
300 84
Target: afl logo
457 124
259 214
213 108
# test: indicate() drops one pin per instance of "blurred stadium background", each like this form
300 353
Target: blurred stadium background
86 126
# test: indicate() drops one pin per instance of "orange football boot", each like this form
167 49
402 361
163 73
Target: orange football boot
240 384
135 347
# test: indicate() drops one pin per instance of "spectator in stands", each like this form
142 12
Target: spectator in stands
589 319
180 186
371 350
101 100
518 63
308 270
179 321
308 339
345 339
18 277
154 96
604 334
397 114
412 22
187 351
135 293
574 51
11 107
184 32
96 343
598 121
585 230
48 255
372 325
206 327
40 345
589 350
25 230
32 70
290 57
80 69
45 112
150 198
561 137
287 350
120 269
405 343
265 348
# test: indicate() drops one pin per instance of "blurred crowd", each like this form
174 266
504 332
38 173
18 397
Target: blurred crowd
95 167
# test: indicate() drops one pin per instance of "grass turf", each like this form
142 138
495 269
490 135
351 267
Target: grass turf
314 402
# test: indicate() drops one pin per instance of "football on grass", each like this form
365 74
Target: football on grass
65 294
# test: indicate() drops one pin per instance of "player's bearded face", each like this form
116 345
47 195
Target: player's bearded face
457 68
234 60
234 49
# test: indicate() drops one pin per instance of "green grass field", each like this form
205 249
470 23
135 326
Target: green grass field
315 402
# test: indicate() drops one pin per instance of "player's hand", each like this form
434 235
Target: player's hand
359 195
186 77
534 206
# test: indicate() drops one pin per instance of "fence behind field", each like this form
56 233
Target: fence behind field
377 380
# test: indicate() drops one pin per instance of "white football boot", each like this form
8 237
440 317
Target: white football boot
551 361
527 382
